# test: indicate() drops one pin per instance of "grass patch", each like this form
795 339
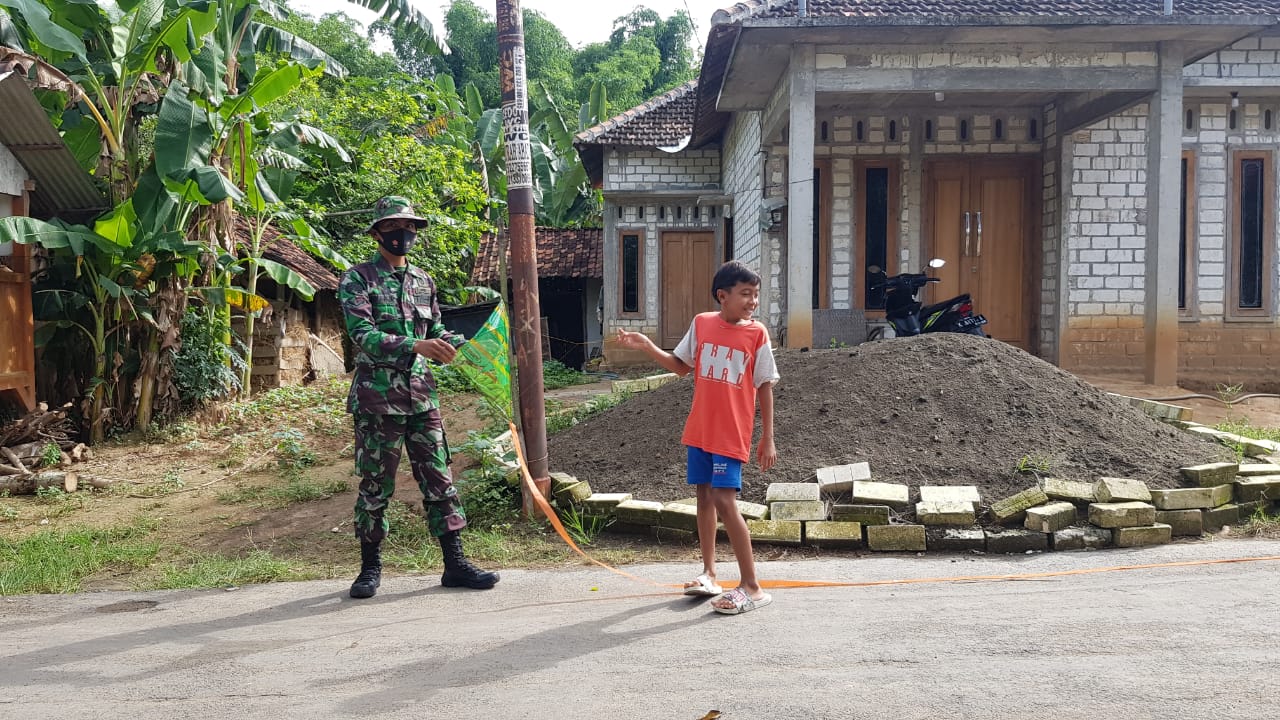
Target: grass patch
296 489
1261 524
215 571
556 375
1246 429
558 420
57 561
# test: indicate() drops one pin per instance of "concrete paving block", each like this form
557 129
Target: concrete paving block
1013 508
1069 490
950 493
826 533
798 510
777 532
1197 498
951 539
679 516
1219 517
896 538
1123 514
1051 517
1082 538
603 503
1211 474
789 492
1156 534
630 386
865 514
945 513
653 382
1158 410
639 512
1015 540
840 478
1185 523
560 481
1259 487
1255 469
573 494
752 511
877 493
1113 490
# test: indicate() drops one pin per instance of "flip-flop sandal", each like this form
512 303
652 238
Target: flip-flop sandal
705 587
742 602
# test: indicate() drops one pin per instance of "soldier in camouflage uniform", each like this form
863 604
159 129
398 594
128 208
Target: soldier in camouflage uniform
394 322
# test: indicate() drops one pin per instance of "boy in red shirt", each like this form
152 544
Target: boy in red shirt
734 363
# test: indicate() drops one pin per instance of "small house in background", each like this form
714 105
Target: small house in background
570 279
40 178
298 340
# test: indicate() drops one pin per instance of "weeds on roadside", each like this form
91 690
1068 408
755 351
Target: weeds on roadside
556 375
487 496
58 561
214 571
297 489
563 420
1226 393
1261 524
170 483
583 527
59 502
8 512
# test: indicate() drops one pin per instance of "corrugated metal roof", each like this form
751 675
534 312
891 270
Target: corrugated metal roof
62 186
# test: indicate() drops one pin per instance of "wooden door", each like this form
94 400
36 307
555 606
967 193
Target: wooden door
688 262
981 221
17 359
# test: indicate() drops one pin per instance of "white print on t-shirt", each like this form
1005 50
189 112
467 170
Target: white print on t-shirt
722 364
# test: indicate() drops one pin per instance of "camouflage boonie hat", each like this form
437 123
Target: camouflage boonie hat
393 207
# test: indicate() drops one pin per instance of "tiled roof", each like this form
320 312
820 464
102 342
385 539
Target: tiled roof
562 253
281 250
991 8
664 121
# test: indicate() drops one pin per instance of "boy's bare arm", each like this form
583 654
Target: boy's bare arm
767 452
640 341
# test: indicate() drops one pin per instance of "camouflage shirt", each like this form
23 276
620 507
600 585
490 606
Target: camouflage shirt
386 310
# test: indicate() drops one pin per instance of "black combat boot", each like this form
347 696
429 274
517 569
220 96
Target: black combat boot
458 572
370 577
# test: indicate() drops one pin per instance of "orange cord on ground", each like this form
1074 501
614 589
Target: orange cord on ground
546 509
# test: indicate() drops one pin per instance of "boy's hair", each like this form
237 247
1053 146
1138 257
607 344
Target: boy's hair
729 275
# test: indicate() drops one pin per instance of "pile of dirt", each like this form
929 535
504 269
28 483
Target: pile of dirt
940 409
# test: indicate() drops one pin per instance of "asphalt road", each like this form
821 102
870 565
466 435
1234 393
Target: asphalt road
1184 642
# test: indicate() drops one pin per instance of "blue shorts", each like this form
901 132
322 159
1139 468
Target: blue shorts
718 470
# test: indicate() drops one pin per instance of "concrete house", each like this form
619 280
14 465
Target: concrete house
1099 174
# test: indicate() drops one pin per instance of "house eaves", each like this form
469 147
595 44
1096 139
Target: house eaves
749 41
62 187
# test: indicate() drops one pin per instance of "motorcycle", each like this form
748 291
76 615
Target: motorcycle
907 316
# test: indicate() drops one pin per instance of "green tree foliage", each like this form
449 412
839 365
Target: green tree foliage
341 38
645 56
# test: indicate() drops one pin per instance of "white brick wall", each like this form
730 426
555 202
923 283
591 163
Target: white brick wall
744 181
1249 58
891 57
1052 236
1106 217
657 170
1213 140
650 219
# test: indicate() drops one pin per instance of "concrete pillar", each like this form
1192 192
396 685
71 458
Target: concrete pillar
800 139
1164 181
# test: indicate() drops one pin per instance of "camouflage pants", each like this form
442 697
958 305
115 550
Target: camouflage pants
379 439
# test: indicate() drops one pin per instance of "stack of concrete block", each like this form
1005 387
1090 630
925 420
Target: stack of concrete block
955 505
873 504
839 479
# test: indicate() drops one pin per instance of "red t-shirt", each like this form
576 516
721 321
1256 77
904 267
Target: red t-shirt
730 362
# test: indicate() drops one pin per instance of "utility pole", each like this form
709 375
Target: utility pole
526 325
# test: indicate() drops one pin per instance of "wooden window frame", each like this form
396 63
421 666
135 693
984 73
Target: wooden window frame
622 270
1190 227
1233 309
894 166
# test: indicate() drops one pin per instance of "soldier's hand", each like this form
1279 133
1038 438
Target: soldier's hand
436 349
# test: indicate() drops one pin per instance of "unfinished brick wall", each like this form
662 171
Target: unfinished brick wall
1209 354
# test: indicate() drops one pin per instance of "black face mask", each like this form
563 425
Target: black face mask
398 241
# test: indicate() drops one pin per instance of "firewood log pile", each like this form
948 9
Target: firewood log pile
25 465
